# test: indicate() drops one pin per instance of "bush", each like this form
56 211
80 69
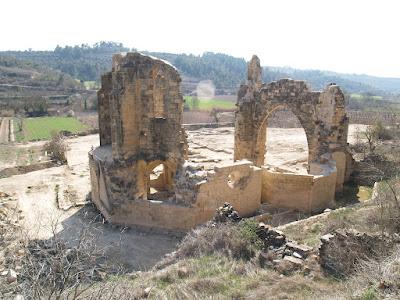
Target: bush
57 148
387 199
376 279
382 133
238 241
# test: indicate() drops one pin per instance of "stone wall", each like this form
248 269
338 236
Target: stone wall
306 193
321 114
140 122
243 192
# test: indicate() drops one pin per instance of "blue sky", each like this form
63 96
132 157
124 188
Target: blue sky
352 36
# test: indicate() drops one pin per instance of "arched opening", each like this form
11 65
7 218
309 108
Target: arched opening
284 142
159 185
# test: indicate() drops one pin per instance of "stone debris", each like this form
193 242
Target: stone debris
283 255
226 213
302 250
11 276
10 252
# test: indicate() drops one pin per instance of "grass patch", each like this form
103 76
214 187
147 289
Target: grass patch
359 96
42 128
91 85
208 104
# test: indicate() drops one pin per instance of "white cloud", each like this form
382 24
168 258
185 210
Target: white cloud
343 35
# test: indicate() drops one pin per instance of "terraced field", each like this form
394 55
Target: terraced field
35 129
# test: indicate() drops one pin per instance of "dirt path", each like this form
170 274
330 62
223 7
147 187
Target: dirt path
4 130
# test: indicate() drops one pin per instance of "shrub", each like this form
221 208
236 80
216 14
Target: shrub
382 133
238 241
387 199
57 148
376 279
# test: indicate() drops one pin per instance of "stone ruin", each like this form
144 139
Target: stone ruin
323 118
140 174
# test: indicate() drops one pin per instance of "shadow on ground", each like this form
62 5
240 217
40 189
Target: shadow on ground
132 248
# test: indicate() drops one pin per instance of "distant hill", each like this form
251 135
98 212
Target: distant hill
87 63
83 62
18 75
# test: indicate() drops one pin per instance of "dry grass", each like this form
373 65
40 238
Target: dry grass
237 241
216 277
375 279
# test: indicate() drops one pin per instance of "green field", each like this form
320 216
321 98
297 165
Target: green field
91 85
42 128
359 96
208 104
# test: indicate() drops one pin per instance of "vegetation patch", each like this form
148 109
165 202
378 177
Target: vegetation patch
193 103
42 128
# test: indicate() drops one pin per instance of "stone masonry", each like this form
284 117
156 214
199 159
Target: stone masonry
321 114
140 174
140 116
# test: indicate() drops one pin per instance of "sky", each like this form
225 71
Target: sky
351 36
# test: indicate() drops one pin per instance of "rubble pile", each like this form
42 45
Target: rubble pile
226 213
283 255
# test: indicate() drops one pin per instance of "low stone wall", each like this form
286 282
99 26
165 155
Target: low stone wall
238 184
307 193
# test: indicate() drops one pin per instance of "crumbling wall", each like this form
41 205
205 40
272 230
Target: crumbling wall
243 191
321 114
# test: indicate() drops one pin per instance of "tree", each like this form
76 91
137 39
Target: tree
214 113
371 134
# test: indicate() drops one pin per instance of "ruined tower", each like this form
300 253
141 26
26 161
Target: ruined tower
142 143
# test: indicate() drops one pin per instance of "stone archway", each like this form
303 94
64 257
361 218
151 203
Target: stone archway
321 113
262 136
252 116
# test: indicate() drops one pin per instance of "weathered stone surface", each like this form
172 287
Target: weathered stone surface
288 265
11 276
140 116
303 250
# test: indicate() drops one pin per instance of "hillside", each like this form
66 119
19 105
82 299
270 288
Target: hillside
83 62
87 63
18 76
